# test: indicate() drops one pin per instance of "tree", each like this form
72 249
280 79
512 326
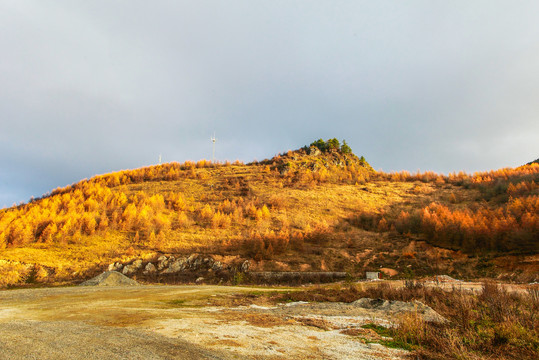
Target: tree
362 160
320 144
345 149
333 144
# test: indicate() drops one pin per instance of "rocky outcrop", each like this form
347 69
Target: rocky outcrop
166 265
174 266
314 151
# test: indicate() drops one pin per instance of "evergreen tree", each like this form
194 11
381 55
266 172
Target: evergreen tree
345 149
333 144
320 144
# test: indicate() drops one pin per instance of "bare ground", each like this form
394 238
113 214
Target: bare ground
178 322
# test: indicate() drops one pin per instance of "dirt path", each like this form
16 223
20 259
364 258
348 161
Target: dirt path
174 322
73 340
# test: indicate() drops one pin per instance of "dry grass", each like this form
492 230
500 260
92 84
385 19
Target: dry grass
300 210
495 324
310 218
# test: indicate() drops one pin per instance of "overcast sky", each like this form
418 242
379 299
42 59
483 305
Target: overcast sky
90 87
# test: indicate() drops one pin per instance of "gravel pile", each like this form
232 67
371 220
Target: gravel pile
110 278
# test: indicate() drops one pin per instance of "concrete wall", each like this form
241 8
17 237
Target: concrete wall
372 275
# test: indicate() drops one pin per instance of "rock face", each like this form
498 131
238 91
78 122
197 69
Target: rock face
110 278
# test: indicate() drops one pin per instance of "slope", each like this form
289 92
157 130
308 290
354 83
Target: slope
316 208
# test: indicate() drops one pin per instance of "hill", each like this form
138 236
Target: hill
319 208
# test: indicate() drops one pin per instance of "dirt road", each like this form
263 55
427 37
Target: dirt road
173 322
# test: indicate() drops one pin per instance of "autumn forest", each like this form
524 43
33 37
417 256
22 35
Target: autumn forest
319 207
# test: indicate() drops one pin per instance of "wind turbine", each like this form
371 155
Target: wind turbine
213 140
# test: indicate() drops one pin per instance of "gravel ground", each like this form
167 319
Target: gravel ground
176 322
58 340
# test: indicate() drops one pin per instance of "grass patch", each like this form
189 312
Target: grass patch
388 334
379 329
177 302
396 344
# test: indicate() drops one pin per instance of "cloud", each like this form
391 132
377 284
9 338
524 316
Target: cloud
94 87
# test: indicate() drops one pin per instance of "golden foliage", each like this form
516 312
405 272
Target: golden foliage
263 209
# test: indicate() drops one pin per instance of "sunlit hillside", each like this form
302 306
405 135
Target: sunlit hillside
317 208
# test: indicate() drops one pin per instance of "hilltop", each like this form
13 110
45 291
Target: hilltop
318 208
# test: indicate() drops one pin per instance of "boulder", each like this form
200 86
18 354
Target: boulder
245 266
128 270
163 262
191 259
149 268
176 266
196 263
115 266
389 271
217 266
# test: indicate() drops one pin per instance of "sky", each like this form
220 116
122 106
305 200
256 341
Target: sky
91 87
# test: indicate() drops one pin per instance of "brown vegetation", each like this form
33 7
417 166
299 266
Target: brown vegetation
491 324
295 208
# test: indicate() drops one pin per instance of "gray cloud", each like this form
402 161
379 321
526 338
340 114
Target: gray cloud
94 87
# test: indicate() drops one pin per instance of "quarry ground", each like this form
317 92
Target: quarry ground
182 322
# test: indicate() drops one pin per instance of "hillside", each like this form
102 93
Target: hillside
319 208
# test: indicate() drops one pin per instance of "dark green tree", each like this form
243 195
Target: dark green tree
345 149
333 144
320 144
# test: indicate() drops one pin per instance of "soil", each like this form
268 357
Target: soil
164 322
